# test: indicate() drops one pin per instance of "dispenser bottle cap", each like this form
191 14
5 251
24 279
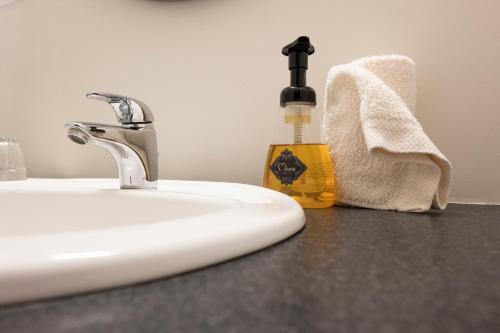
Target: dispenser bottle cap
298 52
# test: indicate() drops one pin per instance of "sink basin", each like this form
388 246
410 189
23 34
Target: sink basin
63 236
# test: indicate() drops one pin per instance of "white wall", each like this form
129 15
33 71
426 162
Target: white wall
211 70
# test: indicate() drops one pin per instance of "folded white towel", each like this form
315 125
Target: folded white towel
382 157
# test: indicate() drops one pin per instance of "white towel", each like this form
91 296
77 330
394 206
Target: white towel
382 157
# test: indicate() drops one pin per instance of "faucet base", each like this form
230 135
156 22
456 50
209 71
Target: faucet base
144 185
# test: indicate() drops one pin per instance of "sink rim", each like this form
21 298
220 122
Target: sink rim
58 259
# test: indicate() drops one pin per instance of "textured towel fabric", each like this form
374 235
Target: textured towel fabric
383 159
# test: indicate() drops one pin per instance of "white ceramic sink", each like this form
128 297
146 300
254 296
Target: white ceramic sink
67 236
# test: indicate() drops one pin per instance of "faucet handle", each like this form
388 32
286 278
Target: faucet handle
128 110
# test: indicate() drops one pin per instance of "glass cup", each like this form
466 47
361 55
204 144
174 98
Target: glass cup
11 160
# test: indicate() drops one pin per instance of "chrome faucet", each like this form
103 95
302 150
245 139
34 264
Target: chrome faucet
132 144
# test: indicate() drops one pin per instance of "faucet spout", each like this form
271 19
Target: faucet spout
132 145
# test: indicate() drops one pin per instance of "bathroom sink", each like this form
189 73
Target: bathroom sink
64 236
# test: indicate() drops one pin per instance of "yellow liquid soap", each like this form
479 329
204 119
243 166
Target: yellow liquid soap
302 171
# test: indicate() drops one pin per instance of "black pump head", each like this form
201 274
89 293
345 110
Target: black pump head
298 52
301 46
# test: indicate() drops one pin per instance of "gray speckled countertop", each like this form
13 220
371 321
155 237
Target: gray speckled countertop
349 270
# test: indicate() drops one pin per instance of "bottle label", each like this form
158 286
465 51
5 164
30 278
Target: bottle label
287 167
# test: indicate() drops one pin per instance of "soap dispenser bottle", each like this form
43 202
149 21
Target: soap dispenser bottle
298 164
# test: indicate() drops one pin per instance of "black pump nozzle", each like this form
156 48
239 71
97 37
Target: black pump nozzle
298 52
